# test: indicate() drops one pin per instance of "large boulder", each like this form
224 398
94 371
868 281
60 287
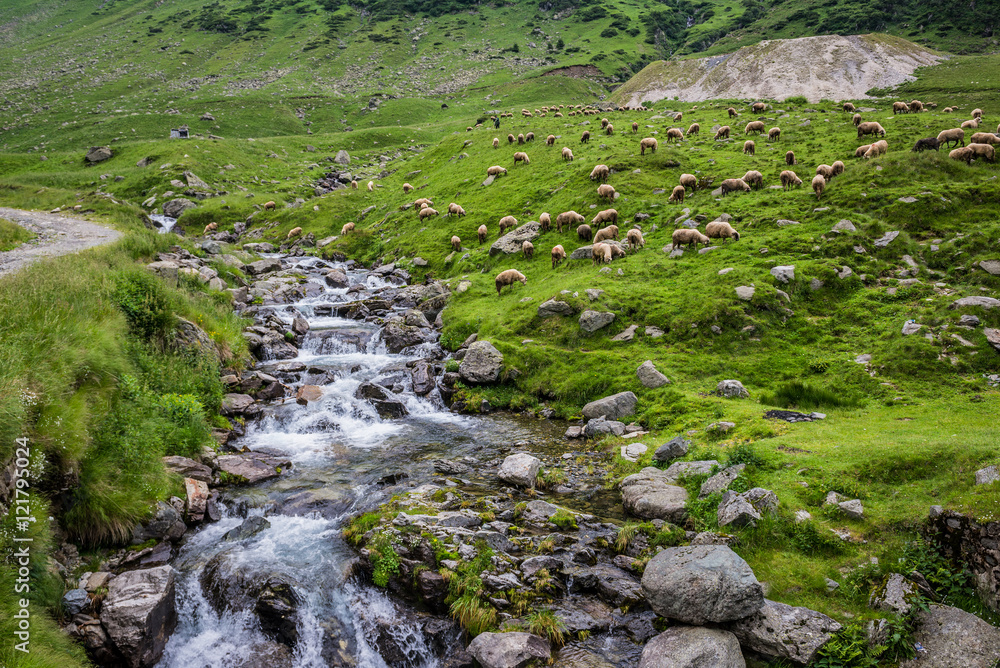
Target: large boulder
554 307
731 389
692 647
397 335
651 494
591 321
613 407
264 266
252 467
520 469
649 376
601 426
189 337
785 632
342 157
175 207
510 650
511 242
976 300
98 154
482 363
701 583
139 614
673 449
953 638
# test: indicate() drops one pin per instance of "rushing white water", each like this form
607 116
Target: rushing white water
166 223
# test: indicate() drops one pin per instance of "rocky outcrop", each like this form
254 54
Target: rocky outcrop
139 614
612 407
98 154
651 494
692 647
175 207
512 242
482 363
785 632
953 638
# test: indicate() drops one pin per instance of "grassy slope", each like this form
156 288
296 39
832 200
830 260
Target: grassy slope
12 235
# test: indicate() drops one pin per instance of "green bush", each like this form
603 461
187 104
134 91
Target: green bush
796 394
144 300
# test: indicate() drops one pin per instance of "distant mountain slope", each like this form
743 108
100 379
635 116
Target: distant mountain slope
831 67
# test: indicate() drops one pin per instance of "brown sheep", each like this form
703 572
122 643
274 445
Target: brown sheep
856 120
584 232
496 170
558 255
881 147
900 108
407 187
610 130
600 253
754 126
427 212
347 228
371 186
509 277
635 239
838 168
688 236
679 116
818 184
916 106
528 249
774 134
848 107
269 206
422 202
354 185
971 124
496 142
732 112
985 151
294 232
675 133
585 137
870 128
984 138
648 142
860 151
790 158
505 222
510 139
545 220
520 139
600 173
754 179
789 179
550 140
604 123
567 153
529 137
456 210
677 194
965 154
521 156
456 244
482 232
826 171
693 129
606 216
723 132
977 113
689 181
758 107
609 232
635 127
568 218
718 229
606 191
732 185
956 135
211 227
749 147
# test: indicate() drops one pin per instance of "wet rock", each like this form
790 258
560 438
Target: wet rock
252 467
785 632
509 650
583 614
700 584
197 500
731 389
250 527
601 426
591 321
613 585
482 363
953 637
397 335
520 469
336 278
75 601
188 468
139 614
611 407
165 525
651 494
511 242
553 307
264 266
308 393
327 502
692 647
175 207
422 379
234 586
673 449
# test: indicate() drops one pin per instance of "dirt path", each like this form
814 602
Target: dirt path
56 235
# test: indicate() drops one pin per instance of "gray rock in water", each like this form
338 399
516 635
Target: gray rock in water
175 207
251 526
651 494
482 363
336 278
520 469
784 273
591 321
552 308
601 426
986 303
509 650
692 647
987 475
885 239
721 481
612 407
98 154
731 389
673 449
139 614
700 584
785 632
342 158
941 626
511 242
263 266
649 376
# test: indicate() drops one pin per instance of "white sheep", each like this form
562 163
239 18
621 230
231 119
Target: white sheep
689 181
496 170
818 185
789 179
509 277
568 218
558 255
521 156
482 232
635 239
347 228
688 236
648 142
507 221
606 191
677 194
545 220
600 173
567 154
528 249
456 244
718 229
732 185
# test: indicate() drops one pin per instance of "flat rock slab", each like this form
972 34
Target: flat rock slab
954 638
509 650
785 632
252 467
511 242
652 494
977 300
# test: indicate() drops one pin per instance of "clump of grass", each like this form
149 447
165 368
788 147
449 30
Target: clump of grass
12 235
796 394
473 614
546 624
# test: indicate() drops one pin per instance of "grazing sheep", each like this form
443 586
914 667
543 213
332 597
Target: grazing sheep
754 126
998 129
900 108
929 143
604 123
758 107
584 232
860 151
635 239
468 129
426 212
677 195
648 142
521 156
511 138
528 249
529 137
790 158
977 113
407 187
568 218
635 127
610 130
456 210
347 228
606 216
679 116
496 142
916 106
550 140
609 232
294 232
689 181
818 184
354 185
456 244
688 236
870 128
558 255
505 222
509 277
545 220
838 167
732 112
422 202
600 173
496 170
482 232
774 134
948 110
754 179
985 151
789 179
826 171
600 253
567 153
984 138
972 124
723 132
856 120
606 191
848 107
749 147
269 206
371 186
956 135
211 227
965 154
721 230
585 137
520 139
693 129
881 147
732 185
